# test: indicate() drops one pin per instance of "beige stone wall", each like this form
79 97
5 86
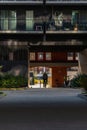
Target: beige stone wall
82 59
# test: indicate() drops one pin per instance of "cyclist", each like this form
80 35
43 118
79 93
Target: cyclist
45 79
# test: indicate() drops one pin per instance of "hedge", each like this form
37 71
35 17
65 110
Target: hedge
10 81
79 81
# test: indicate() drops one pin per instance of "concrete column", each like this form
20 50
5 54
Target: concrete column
28 67
11 56
82 60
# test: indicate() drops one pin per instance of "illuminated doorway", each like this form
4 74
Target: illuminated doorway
36 77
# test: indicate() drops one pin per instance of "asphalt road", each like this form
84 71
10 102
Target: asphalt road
43 109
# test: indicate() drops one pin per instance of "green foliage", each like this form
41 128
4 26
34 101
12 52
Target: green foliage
75 81
79 81
1 67
10 81
83 82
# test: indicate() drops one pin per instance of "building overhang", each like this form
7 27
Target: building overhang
53 64
35 36
47 46
58 48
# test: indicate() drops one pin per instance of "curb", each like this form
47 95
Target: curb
83 96
4 89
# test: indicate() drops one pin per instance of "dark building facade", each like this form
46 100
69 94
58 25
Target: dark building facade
53 29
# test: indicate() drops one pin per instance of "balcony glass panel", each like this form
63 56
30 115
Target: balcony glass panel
35 20
20 21
67 21
31 25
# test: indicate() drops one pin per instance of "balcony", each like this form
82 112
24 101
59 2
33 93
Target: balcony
32 26
37 26
67 27
77 2
31 2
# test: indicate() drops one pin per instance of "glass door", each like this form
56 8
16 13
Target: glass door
12 20
4 20
29 20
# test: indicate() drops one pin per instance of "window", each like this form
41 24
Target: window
70 56
4 20
32 56
40 56
29 20
12 20
48 55
8 20
76 56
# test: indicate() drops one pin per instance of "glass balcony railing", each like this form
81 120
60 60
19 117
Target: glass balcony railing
38 25
66 26
21 25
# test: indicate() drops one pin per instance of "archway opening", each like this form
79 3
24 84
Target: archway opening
36 77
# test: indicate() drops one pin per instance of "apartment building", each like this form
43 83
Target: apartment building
48 33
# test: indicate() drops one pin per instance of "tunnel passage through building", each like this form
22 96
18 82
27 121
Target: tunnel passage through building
36 77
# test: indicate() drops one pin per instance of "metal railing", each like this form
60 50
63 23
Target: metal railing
23 0
43 1
50 0
66 1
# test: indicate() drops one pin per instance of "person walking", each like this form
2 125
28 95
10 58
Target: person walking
45 79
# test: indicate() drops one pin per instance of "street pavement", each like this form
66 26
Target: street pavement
43 109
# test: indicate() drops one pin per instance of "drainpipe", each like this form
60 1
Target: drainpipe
28 65
44 21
